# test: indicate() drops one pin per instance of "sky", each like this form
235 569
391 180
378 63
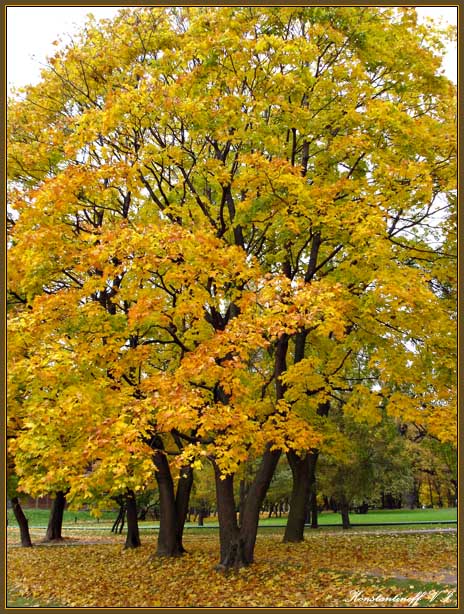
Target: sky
31 31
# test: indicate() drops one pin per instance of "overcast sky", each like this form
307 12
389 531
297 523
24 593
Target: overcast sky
31 31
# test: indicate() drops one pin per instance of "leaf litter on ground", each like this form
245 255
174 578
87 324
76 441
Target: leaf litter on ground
324 570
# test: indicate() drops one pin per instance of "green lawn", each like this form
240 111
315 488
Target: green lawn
378 516
39 518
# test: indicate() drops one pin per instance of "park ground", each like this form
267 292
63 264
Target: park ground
372 566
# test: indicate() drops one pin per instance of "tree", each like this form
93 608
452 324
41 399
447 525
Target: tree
364 463
55 521
21 519
196 209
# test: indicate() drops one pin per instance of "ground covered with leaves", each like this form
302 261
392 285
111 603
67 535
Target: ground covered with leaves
328 569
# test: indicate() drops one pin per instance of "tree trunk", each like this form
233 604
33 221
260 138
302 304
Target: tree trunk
238 542
56 518
133 537
344 510
168 544
313 506
303 471
254 499
231 542
22 522
119 522
184 488
243 489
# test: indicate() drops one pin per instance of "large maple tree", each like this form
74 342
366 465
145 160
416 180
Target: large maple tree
217 212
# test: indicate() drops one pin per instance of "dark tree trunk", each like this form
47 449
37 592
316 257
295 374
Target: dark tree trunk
133 537
184 488
344 511
56 518
119 522
168 544
254 500
231 542
22 523
303 471
238 542
304 479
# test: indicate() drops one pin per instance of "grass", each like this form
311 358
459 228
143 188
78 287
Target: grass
39 518
379 516
15 600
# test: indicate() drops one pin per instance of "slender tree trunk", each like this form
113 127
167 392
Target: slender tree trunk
120 519
313 506
56 518
344 510
184 488
302 474
133 537
22 522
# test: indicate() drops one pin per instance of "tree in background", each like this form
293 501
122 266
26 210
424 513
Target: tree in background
364 463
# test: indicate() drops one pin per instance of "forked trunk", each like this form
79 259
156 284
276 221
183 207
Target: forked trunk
22 523
133 536
238 542
55 522
303 474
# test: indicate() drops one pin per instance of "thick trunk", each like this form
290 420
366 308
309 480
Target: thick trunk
167 537
302 474
231 542
56 518
133 537
22 523
184 488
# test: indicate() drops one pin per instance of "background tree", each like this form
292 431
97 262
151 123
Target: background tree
364 464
